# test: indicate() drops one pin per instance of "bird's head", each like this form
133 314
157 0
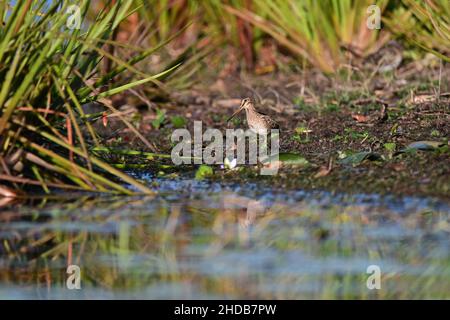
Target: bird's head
246 104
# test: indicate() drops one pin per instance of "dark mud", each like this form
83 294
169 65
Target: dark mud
325 119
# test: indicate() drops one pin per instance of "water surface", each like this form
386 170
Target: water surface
213 241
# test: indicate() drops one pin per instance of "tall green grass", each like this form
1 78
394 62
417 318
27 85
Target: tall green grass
319 31
47 71
327 33
426 24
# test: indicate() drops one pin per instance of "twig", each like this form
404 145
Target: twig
440 78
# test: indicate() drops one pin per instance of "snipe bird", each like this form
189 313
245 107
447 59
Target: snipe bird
256 121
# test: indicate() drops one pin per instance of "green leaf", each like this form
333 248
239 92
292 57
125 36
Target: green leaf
287 159
178 121
435 133
390 146
357 158
302 130
425 145
203 171
160 118
421 146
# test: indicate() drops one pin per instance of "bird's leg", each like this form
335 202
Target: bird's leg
262 145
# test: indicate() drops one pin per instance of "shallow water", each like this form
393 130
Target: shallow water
209 240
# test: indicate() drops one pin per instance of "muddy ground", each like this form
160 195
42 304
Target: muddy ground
324 119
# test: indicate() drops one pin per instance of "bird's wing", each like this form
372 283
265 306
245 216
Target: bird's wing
272 122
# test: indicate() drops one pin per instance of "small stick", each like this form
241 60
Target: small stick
440 78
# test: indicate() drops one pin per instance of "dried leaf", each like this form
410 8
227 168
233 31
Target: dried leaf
422 98
361 118
105 119
323 171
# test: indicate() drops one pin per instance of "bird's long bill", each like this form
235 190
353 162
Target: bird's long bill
236 112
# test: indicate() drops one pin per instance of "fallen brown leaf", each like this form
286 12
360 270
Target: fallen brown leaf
361 118
323 171
422 98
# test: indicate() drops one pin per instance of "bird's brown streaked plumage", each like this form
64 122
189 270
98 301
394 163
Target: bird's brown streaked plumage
255 120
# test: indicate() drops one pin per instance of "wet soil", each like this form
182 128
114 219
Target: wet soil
325 118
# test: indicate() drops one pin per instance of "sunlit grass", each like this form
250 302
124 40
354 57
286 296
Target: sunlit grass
48 70
426 24
318 31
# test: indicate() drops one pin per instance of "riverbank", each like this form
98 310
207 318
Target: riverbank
387 134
